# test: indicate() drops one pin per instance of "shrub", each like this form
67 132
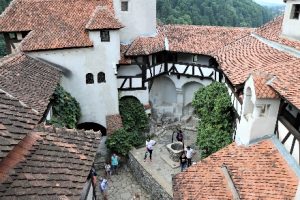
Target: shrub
66 110
120 142
213 106
133 114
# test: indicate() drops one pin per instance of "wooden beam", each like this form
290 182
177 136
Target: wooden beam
293 144
286 137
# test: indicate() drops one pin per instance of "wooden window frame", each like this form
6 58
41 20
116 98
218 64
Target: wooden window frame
105 36
295 11
124 6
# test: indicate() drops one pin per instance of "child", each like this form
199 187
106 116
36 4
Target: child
107 169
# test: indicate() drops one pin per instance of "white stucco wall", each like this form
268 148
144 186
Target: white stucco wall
129 70
291 27
188 58
139 20
99 99
257 124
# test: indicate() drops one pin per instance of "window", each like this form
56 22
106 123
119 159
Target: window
195 58
104 34
101 77
295 11
124 5
89 78
12 35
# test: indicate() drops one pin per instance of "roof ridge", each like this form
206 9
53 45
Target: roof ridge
57 130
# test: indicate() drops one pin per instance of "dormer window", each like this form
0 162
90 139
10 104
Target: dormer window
295 11
104 34
12 36
124 5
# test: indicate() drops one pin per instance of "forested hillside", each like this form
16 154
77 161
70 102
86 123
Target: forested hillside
3 4
213 12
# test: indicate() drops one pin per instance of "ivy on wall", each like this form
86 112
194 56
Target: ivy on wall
66 110
135 123
214 109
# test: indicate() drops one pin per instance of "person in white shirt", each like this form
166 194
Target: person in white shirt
189 154
149 149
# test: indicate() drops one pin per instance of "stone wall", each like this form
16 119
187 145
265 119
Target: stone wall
146 180
113 122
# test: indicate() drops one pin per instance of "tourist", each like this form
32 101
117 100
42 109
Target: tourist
103 185
189 154
149 149
183 160
136 197
179 136
108 169
114 163
93 177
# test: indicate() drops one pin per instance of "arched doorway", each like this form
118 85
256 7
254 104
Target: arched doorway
92 126
163 97
188 91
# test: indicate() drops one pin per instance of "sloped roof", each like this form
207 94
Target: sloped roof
54 24
102 18
55 164
28 80
262 90
187 39
16 120
272 31
247 55
257 172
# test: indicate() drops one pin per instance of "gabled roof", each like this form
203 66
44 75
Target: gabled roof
102 18
28 80
257 172
49 163
262 89
55 24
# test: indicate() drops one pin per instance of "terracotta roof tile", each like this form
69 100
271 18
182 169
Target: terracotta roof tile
248 55
58 164
187 39
102 18
258 172
124 60
262 90
272 31
54 24
28 80
16 120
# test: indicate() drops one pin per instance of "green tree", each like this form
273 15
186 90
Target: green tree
213 107
66 110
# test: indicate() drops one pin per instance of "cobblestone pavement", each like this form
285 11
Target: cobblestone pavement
123 186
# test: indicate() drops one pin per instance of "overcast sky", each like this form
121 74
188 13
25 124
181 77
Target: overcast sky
271 1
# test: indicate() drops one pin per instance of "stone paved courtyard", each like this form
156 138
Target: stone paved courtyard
123 186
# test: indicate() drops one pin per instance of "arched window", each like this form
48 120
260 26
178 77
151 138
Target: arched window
101 77
89 78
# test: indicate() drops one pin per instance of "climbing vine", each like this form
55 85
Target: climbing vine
66 110
135 123
213 106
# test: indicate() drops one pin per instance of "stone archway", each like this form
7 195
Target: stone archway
163 97
92 126
188 91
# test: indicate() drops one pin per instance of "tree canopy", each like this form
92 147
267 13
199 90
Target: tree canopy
214 109
244 13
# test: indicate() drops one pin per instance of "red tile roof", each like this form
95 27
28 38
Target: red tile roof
54 24
272 31
57 165
258 172
28 80
187 39
262 90
124 60
247 55
102 18
16 120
